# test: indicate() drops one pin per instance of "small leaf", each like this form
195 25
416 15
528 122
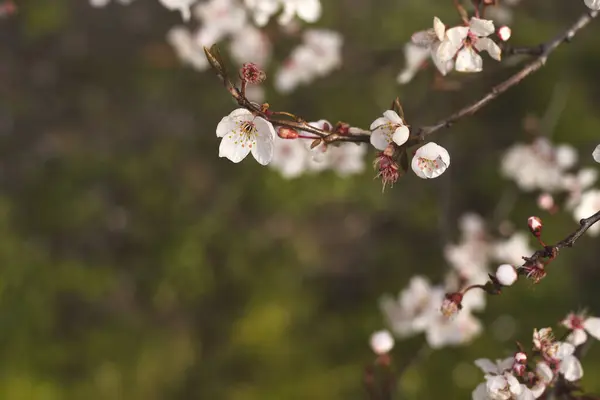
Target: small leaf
216 61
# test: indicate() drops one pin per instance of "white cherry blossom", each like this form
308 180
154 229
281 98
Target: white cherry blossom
596 152
588 206
431 40
580 326
465 42
576 184
382 342
241 133
183 6
307 10
456 331
430 161
262 10
544 376
388 128
570 366
219 18
289 157
512 249
593 4
186 48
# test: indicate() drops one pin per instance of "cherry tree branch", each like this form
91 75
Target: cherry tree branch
418 134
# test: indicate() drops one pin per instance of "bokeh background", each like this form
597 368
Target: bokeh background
136 264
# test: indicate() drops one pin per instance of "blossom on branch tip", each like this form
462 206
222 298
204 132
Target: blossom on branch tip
387 129
430 161
382 342
580 326
241 133
464 43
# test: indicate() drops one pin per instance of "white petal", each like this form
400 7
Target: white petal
454 41
526 394
468 60
487 44
544 372
232 148
379 139
592 325
424 39
480 392
401 135
577 337
393 117
310 11
228 123
564 350
481 27
379 122
538 390
513 383
487 366
264 148
443 66
571 368
439 28
596 153
593 4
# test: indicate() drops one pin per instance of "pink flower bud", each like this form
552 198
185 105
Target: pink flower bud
251 73
452 304
504 33
535 226
287 133
506 274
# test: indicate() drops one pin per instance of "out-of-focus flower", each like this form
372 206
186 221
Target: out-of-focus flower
347 158
545 201
588 206
539 165
496 368
500 382
183 6
593 4
463 41
102 3
382 342
388 128
576 184
579 324
461 329
430 161
242 133
307 10
414 57
506 274
219 19
289 157
596 152
317 56
250 44
186 48
512 249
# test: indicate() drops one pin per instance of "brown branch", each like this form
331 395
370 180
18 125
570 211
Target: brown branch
418 134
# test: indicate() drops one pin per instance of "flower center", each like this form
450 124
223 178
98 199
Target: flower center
427 165
247 134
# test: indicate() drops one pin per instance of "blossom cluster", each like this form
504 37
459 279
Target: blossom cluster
541 166
525 377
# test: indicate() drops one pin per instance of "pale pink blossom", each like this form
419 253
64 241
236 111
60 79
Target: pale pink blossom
580 327
430 161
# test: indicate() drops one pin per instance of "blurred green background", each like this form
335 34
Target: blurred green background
136 264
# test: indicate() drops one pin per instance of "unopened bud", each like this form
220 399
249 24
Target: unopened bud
535 226
287 133
506 274
504 33
251 73
452 304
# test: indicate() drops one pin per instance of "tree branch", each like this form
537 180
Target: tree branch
418 134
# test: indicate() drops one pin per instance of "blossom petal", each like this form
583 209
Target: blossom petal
480 392
544 371
487 366
468 60
577 337
592 325
310 11
564 350
593 4
379 123
401 135
487 44
571 368
264 148
596 152
393 117
379 139
232 148
424 39
481 27
454 41
439 28
228 123
526 394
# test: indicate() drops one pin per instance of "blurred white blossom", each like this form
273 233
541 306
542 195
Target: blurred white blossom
431 40
183 6
186 48
382 342
580 326
588 206
593 4
513 249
